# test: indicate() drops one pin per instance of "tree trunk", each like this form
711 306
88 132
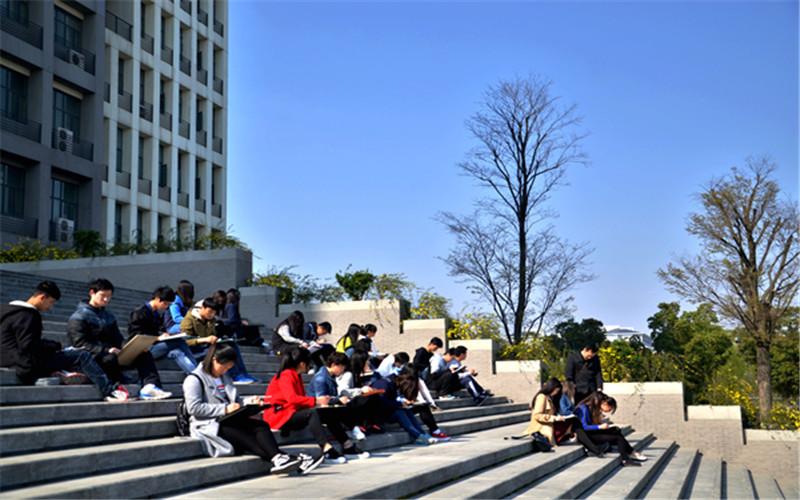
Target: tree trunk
764 379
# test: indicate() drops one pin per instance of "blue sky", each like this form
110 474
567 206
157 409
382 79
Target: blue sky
346 122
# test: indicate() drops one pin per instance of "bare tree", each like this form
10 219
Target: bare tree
525 145
748 267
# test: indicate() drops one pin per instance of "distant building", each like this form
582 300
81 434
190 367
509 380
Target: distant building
616 332
114 116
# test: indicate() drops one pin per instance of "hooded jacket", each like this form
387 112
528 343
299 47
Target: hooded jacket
93 329
21 344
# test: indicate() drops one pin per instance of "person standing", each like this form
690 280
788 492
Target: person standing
583 369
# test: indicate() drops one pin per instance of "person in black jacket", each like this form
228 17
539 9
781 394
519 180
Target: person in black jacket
423 355
92 328
146 320
583 369
23 348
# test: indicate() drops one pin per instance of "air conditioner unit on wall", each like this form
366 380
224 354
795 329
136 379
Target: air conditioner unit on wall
64 138
64 230
77 59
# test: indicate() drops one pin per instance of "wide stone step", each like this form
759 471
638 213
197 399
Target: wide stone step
395 473
629 482
580 476
53 414
707 481
30 469
737 482
675 478
766 487
52 437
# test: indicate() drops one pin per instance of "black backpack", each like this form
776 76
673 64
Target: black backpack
182 414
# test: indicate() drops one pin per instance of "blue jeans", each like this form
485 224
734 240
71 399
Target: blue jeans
408 422
82 361
176 350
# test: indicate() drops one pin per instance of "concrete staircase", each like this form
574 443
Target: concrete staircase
63 442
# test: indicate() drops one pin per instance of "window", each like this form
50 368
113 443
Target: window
198 188
12 189
14 98
69 30
180 173
117 223
120 138
140 159
162 168
139 227
162 96
67 112
15 9
63 200
163 32
121 75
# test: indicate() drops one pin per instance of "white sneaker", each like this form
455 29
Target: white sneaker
151 391
118 395
358 434
284 464
638 456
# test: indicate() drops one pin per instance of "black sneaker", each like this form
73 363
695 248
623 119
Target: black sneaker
601 450
631 463
309 463
354 452
334 457
284 464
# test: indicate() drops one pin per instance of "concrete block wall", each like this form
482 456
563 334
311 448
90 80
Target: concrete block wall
208 270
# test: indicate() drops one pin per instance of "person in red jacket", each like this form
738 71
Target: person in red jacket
292 410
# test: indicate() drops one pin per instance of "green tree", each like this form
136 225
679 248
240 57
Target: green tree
355 283
748 268
578 335
507 251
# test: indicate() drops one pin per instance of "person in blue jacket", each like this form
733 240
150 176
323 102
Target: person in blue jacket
592 432
184 298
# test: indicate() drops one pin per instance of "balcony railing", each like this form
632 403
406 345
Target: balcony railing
25 226
216 210
146 110
25 128
186 65
145 185
216 144
202 76
124 179
79 57
147 42
125 100
165 120
219 28
166 54
183 199
19 27
218 85
200 205
186 5
70 143
183 128
107 92
119 26
201 137
164 193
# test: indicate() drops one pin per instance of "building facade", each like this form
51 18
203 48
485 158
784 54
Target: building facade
114 119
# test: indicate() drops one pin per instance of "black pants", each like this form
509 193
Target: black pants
443 382
613 436
425 415
363 411
248 434
313 418
319 356
144 364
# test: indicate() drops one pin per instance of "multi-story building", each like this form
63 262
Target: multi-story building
114 118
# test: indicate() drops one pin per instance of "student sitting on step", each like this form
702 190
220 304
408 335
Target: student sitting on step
369 331
201 323
423 355
209 394
316 336
23 348
544 409
400 405
184 297
289 334
92 328
146 320
292 409
441 376
566 404
592 432
347 343
466 376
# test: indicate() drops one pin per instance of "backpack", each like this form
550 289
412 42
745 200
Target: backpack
182 414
